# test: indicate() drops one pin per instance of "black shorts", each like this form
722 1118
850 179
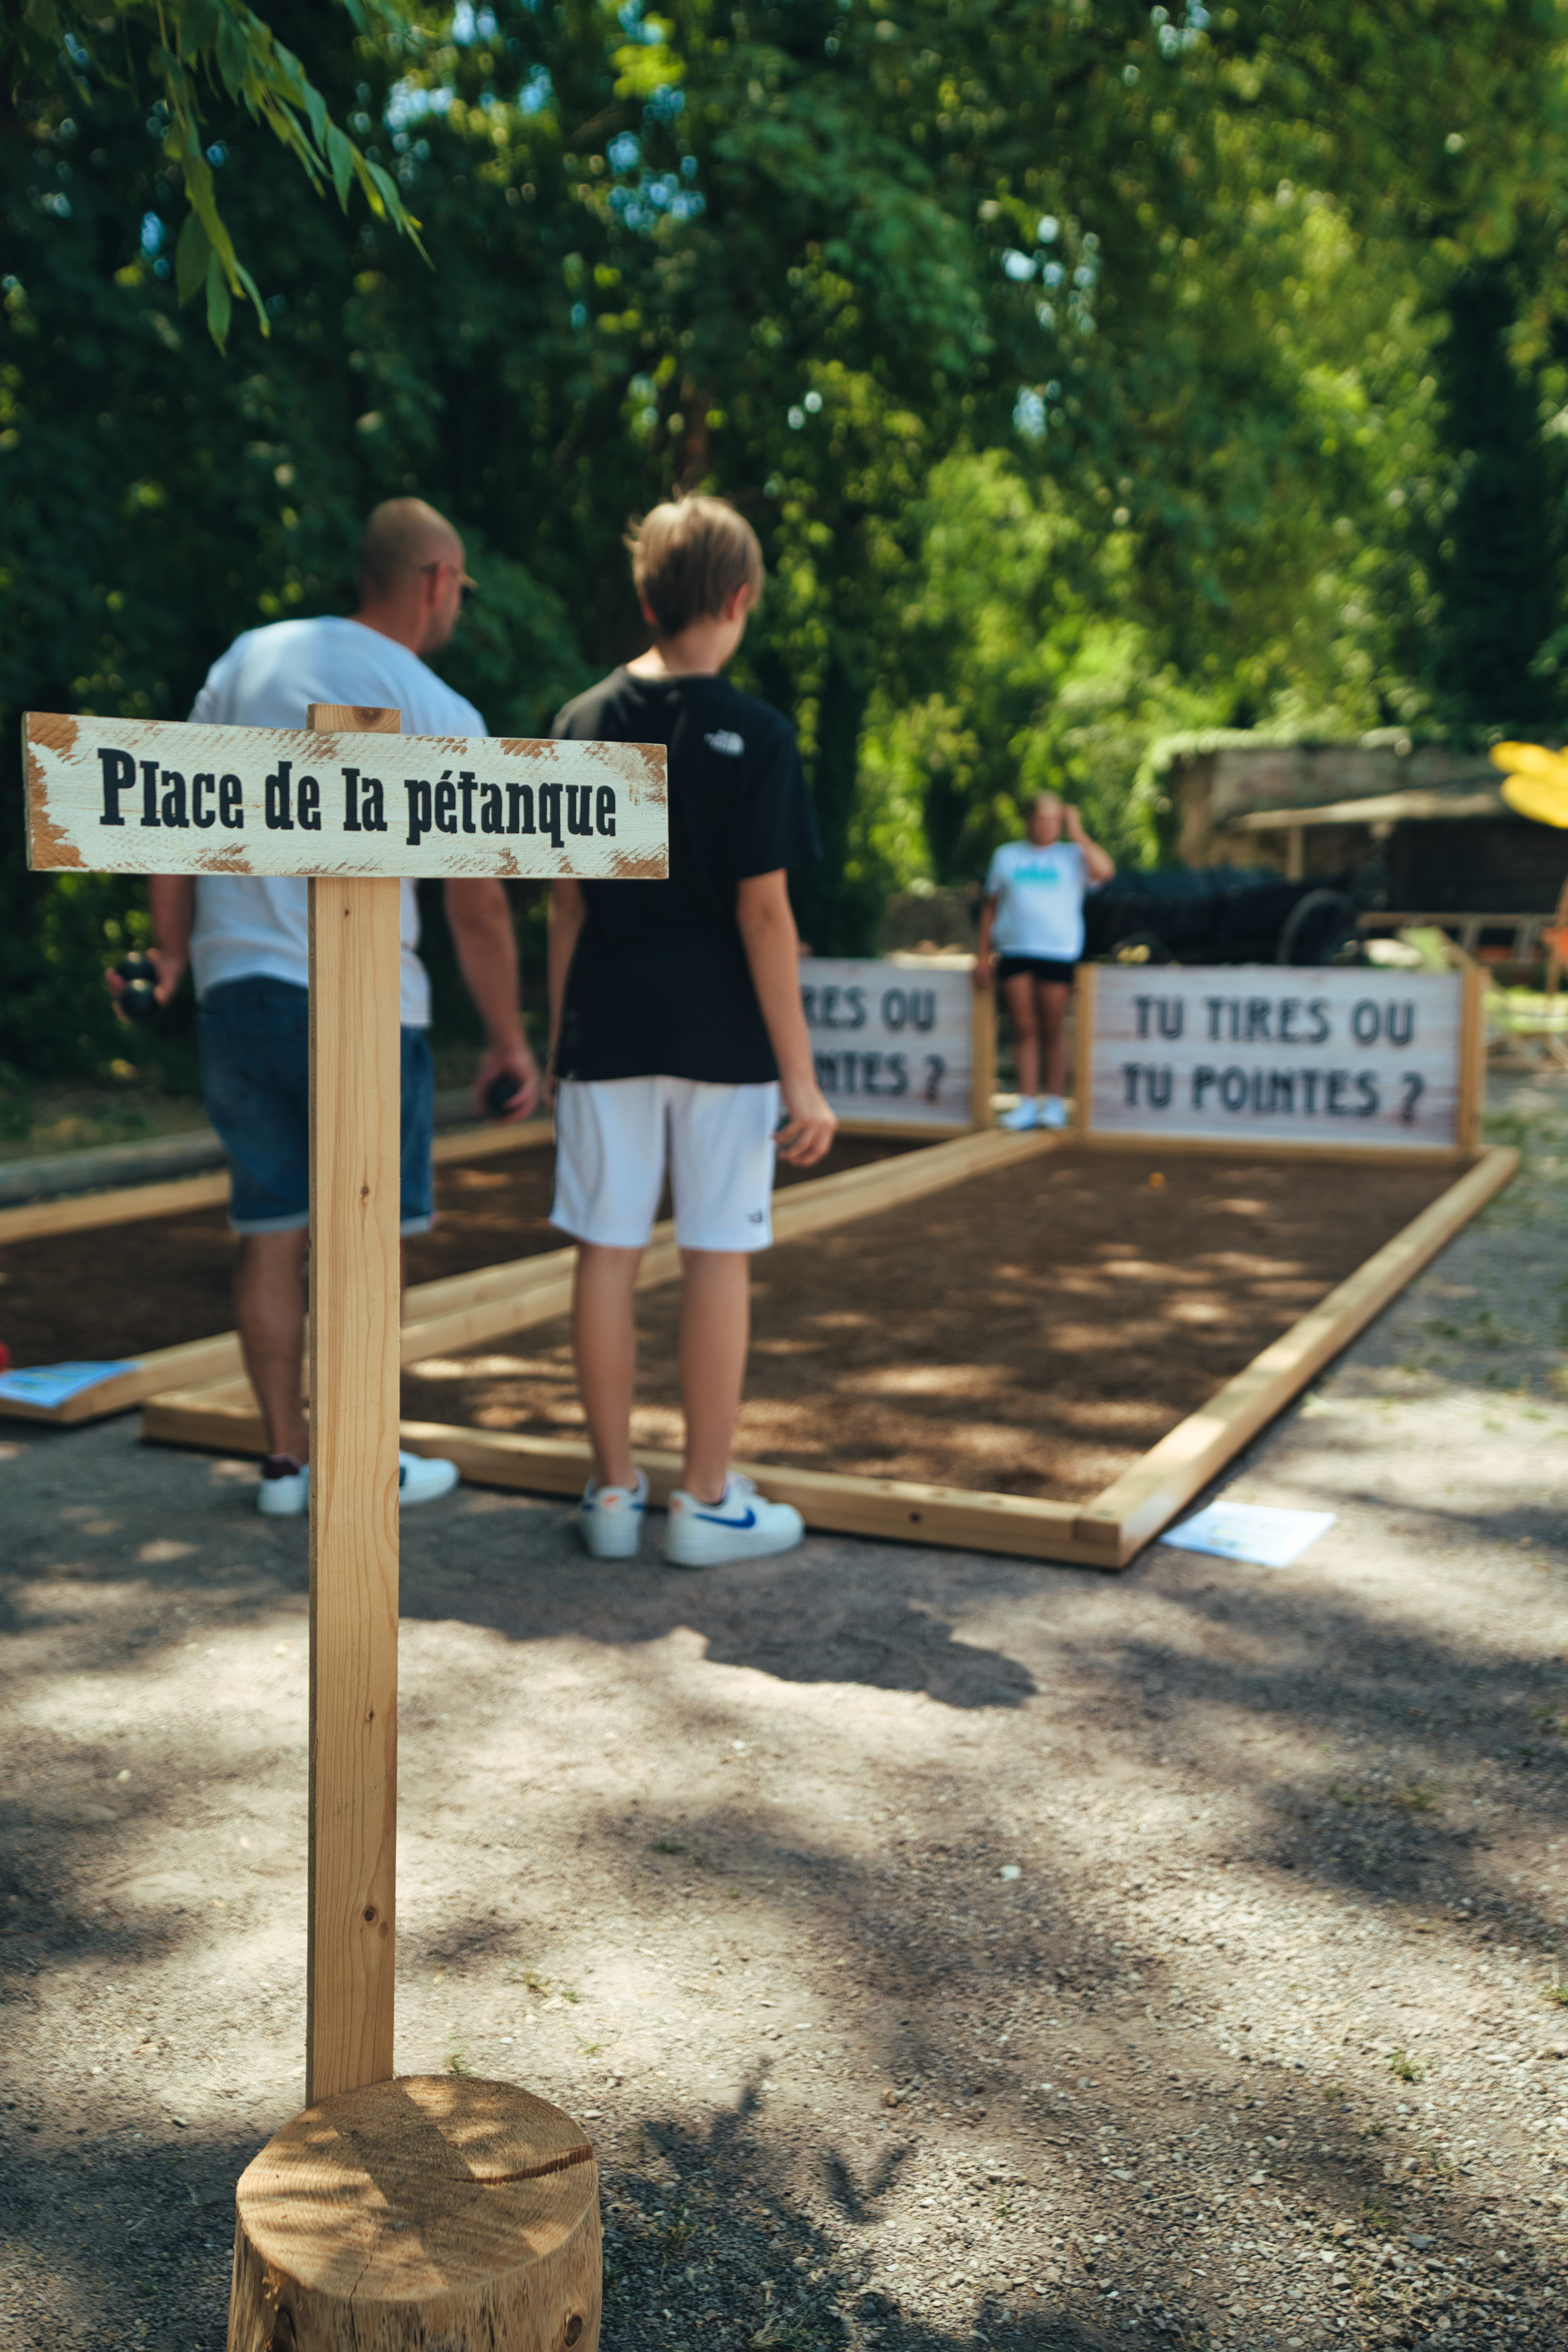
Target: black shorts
1042 970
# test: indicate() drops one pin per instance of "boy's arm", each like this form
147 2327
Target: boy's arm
1099 864
568 913
772 943
480 923
172 903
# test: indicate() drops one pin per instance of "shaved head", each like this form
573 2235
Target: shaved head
401 537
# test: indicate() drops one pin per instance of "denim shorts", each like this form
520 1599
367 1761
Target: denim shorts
256 1075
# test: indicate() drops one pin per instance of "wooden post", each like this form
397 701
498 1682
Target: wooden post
355 1086
387 2216
983 1058
1083 1052
1471 1100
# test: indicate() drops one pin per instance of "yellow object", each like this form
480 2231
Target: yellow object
1536 781
1547 803
1156 1180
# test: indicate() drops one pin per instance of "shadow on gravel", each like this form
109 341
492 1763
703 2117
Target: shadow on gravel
118 2240
701 2246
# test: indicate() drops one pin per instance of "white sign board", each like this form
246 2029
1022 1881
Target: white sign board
893 1041
1256 1053
127 796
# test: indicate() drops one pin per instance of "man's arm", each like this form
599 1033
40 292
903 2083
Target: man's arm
172 903
480 922
1098 863
767 922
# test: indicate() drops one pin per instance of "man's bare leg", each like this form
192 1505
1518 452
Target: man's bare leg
715 1331
1019 994
1054 996
270 1314
605 1340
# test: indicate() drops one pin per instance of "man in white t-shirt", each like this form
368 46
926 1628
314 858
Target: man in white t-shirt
247 939
1031 936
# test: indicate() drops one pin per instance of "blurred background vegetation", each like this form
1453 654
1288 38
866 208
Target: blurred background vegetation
1090 371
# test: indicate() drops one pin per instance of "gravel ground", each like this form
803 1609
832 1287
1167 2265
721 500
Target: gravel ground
942 1951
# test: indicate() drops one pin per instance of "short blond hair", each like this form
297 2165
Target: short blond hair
688 557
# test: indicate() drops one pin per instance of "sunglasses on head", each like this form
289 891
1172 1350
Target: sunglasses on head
467 587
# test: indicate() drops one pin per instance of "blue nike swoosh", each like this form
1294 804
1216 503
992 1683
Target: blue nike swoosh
749 1521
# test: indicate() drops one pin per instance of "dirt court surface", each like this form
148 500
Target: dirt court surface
1256 2049
120 1290
1030 1332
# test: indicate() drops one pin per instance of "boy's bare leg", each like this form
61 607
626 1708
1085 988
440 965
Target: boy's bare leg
270 1314
1054 995
1019 994
605 1340
715 1331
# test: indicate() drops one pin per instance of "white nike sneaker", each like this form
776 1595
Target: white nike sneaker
1024 1116
611 1518
1053 1111
421 1480
740 1526
285 1489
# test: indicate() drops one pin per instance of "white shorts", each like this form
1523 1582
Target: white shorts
615 1136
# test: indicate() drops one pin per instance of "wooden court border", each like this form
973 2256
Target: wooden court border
1106 1533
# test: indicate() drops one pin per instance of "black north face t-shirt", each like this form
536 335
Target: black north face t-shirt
659 986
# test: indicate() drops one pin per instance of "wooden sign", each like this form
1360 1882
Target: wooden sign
132 796
351 804
905 1044
1252 1052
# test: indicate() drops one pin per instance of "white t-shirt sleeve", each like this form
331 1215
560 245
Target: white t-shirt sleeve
997 874
208 707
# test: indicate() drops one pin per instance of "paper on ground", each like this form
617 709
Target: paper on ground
1250 1531
50 1384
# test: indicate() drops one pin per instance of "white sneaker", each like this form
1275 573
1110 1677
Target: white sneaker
740 1526
285 1489
1020 1120
1053 1111
420 1480
611 1518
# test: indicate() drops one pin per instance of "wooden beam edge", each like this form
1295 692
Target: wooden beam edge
133 1204
1148 1496
195 1360
1329 1154
36 1220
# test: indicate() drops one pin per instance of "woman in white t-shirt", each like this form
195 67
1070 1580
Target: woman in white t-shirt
1031 936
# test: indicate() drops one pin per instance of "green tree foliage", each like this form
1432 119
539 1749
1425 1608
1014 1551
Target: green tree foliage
1085 366
1498 542
177 47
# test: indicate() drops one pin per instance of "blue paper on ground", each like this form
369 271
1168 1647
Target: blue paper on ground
51 1384
1251 1531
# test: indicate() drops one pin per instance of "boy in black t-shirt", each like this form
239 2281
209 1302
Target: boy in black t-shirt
676 1024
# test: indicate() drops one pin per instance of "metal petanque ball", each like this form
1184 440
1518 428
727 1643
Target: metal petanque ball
138 1000
501 1093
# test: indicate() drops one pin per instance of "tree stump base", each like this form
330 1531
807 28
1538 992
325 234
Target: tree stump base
431 2213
